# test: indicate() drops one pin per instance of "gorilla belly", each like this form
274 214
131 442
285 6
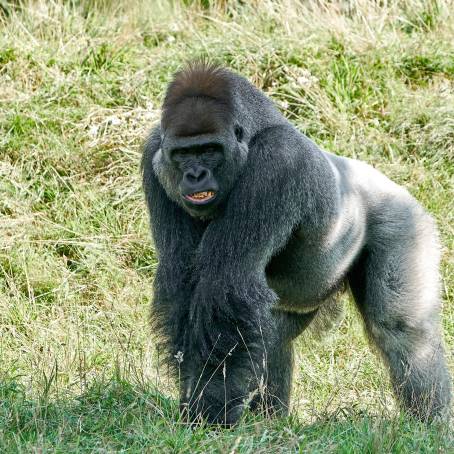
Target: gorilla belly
307 271
300 286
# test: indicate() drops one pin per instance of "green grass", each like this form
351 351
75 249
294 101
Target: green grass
80 85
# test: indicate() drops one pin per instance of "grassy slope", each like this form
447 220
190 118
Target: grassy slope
79 88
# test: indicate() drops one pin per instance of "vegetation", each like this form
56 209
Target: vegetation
80 85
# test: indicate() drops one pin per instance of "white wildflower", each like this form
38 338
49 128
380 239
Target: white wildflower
179 357
306 79
284 104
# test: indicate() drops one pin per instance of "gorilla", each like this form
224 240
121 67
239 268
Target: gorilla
257 232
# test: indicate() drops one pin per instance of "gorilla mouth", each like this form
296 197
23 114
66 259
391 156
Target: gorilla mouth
200 197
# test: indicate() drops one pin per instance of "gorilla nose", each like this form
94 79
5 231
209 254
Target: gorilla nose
196 176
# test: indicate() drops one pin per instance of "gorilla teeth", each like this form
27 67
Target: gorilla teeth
202 195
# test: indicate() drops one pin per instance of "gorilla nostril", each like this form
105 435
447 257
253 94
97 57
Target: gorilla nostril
202 175
191 177
196 175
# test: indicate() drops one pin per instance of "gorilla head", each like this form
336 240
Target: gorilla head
202 149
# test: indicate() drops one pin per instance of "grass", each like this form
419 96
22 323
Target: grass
80 85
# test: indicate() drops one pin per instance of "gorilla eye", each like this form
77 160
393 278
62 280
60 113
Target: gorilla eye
239 132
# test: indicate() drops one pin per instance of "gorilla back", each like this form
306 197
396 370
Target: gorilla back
256 231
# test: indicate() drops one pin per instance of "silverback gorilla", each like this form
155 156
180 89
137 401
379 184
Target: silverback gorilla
257 230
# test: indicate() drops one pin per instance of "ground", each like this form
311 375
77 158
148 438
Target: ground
80 85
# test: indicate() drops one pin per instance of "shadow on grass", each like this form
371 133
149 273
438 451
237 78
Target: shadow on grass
119 416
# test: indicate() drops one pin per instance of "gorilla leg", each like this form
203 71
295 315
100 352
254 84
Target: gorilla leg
273 396
217 393
395 285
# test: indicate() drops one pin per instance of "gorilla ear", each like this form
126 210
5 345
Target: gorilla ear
239 133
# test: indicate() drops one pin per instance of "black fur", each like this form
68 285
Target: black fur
241 276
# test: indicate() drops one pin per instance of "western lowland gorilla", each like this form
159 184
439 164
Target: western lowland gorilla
257 230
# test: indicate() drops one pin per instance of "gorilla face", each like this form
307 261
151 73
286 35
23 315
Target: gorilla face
198 185
202 148
198 172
